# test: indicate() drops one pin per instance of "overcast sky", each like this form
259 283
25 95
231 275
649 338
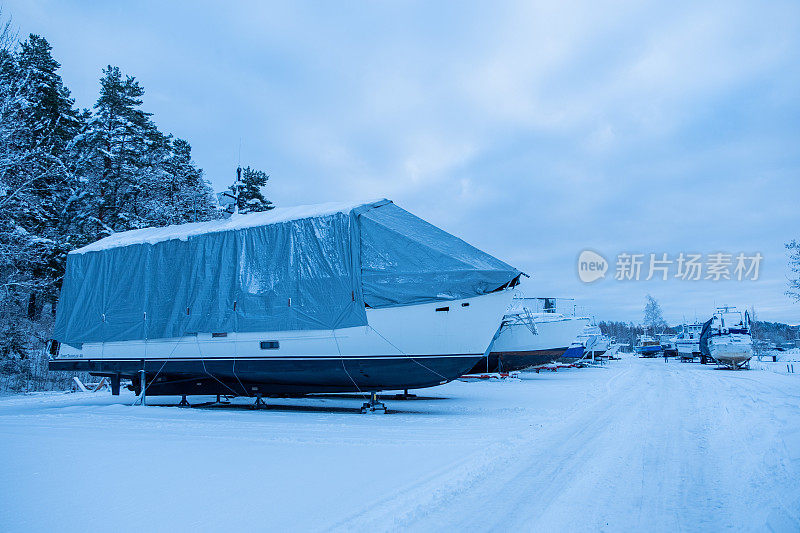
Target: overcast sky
533 130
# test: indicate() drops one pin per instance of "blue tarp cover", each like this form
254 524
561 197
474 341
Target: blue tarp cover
300 268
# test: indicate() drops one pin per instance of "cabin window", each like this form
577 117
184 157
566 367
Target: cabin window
444 309
465 304
217 335
270 345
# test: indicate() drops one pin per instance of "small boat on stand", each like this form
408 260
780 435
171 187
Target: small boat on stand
594 342
668 348
687 342
647 346
532 333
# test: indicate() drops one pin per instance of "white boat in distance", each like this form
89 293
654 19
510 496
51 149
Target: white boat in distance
687 341
647 346
330 298
594 342
530 337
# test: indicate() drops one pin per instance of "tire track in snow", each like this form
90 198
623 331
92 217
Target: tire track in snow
665 447
444 489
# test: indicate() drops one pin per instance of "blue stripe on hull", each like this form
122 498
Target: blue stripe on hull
574 352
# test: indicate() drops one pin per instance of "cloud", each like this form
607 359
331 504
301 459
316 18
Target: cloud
531 129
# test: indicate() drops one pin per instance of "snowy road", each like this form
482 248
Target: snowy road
638 444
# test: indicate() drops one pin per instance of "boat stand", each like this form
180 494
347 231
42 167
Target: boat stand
374 405
259 403
142 399
184 403
221 401
404 396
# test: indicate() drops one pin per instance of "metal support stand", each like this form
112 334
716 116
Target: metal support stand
405 395
259 403
374 405
184 403
143 385
222 401
115 385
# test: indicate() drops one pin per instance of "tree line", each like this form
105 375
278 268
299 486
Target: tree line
70 176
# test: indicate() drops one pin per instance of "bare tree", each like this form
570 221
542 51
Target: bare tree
8 36
653 317
794 266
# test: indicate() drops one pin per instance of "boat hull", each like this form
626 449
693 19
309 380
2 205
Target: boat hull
574 352
401 348
688 349
648 351
274 376
519 346
514 361
732 350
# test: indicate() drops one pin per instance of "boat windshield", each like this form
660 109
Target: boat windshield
732 319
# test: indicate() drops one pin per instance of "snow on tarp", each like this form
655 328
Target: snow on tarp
296 268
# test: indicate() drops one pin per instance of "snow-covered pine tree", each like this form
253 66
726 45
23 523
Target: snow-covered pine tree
120 146
68 177
178 192
135 175
250 195
38 122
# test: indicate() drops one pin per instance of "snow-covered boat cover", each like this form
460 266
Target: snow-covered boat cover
294 268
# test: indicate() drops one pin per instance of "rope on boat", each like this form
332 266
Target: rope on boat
405 354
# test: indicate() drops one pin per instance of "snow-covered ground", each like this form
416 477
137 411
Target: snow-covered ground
787 362
637 444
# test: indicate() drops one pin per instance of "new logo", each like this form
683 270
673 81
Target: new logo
591 266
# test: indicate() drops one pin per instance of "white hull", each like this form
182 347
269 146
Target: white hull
687 342
466 328
731 349
688 348
548 334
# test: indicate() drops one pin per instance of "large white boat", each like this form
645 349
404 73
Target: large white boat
331 298
687 341
728 339
529 338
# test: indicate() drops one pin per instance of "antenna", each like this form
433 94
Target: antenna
237 190
232 196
